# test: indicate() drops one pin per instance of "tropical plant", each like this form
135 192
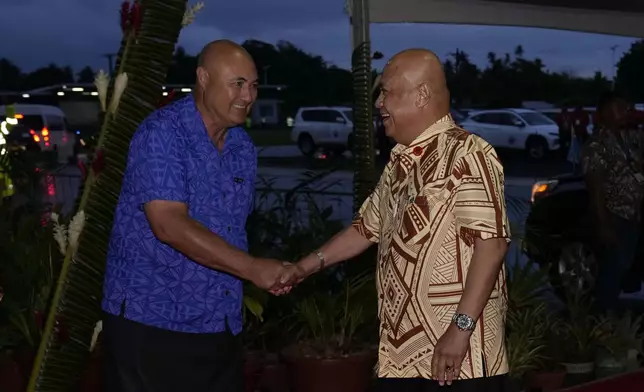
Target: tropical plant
622 334
527 284
28 272
151 29
580 329
364 179
526 331
289 224
337 321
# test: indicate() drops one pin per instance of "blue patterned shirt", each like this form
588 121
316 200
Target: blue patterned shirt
172 158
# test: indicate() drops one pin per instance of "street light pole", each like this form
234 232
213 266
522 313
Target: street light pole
613 65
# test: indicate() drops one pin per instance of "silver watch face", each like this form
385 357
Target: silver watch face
464 322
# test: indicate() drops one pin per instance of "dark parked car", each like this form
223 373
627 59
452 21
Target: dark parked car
559 234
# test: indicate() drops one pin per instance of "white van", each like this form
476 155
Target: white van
47 126
323 126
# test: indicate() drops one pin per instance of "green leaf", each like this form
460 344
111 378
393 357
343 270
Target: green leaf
146 59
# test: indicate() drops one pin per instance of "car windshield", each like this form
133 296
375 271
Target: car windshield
349 114
534 118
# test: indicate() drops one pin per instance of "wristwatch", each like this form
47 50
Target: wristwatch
464 322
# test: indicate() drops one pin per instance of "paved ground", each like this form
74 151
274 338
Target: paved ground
516 164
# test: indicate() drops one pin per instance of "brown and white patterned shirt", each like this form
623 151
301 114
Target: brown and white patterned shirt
434 197
617 154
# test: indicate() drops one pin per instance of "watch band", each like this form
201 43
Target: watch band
464 322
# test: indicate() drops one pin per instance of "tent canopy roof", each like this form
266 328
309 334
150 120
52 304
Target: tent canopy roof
615 17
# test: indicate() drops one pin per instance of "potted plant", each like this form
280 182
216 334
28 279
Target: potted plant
286 225
619 345
333 351
529 357
581 332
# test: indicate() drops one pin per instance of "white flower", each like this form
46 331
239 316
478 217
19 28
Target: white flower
119 86
102 82
97 331
75 228
191 13
60 235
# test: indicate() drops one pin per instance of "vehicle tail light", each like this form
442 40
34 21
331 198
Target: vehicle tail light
36 138
542 188
45 132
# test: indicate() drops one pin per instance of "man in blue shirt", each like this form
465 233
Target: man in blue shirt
172 292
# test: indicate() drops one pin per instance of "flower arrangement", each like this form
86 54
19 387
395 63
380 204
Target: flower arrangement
67 236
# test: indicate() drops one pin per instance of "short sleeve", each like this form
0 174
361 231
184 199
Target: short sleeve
156 167
367 220
479 207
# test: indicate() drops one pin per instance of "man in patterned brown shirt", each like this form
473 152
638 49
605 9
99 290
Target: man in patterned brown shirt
612 163
438 216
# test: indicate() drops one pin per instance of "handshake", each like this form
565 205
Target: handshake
277 277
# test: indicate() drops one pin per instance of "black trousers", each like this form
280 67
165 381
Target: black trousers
487 384
140 358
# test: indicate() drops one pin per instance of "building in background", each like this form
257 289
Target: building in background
80 104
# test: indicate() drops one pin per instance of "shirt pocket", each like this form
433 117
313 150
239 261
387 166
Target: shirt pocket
243 188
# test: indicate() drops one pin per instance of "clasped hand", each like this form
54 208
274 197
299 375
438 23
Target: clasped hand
277 277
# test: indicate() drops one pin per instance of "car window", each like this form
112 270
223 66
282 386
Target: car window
30 122
349 114
508 119
312 115
55 123
320 115
486 118
536 118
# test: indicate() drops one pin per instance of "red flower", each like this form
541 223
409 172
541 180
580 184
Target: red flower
125 16
135 17
418 151
99 162
83 169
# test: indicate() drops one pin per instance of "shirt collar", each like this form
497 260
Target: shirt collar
415 148
191 117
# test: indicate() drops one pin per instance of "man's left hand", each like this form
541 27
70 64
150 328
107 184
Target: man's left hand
449 353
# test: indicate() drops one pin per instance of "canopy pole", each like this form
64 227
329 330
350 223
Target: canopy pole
363 140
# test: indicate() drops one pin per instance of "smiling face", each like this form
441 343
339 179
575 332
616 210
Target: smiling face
397 102
229 89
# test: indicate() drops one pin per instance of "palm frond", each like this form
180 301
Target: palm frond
76 303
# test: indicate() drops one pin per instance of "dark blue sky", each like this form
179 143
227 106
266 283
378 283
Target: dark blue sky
78 32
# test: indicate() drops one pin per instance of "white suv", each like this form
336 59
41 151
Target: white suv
521 129
323 126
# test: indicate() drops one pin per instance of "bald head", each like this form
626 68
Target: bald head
219 51
226 84
414 94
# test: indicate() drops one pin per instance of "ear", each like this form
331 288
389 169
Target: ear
424 95
202 77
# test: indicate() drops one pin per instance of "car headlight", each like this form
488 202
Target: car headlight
542 188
